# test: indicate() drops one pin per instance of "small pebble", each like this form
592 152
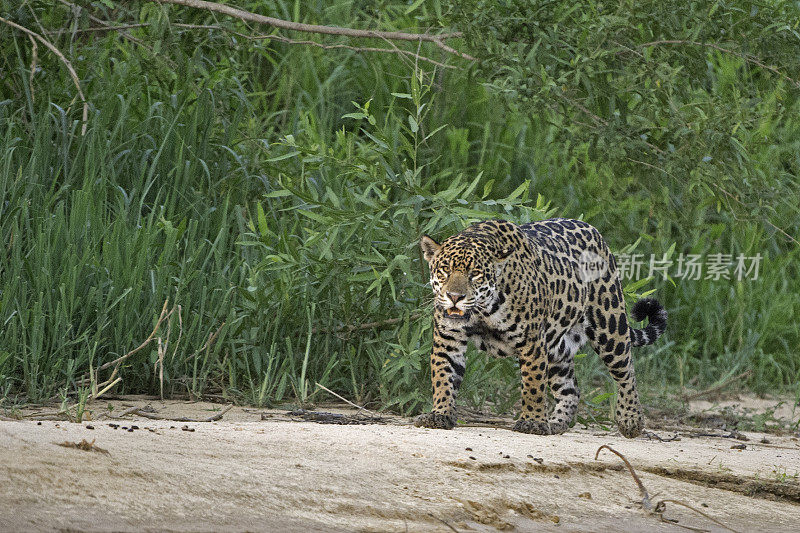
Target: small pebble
89 426
38 423
471 457
187 428
468 449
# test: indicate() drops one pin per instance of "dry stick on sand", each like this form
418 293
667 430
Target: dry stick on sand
64 60
152 416
126 412
660 506
326 389
437 40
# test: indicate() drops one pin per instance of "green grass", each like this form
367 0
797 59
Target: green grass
274 195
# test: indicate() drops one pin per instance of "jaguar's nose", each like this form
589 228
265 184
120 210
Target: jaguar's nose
455 297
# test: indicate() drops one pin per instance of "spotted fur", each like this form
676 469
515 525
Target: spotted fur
536 292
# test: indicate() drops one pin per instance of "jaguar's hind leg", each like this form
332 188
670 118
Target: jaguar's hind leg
609 335
561 379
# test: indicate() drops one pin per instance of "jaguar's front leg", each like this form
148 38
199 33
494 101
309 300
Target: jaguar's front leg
533 367
447 372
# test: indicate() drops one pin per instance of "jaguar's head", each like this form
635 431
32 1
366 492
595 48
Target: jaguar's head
464 270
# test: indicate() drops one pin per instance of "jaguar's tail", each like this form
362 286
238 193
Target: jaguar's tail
657 316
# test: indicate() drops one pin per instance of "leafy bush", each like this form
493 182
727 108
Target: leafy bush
274 194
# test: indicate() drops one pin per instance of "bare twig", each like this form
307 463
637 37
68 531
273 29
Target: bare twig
731 196
369 325
119 29
437 40
716 388
211 338
326 389
282 39
654 436
646 503
443 522
126 412
603 122
749 59
138 411
163 316
106 27
660 506
75 80
663 503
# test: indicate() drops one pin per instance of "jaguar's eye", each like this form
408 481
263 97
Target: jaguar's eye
477 276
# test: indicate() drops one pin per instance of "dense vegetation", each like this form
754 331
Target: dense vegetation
272 195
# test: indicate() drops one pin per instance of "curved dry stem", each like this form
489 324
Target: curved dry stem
241 14
64 60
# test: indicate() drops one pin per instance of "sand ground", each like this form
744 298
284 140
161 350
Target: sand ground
248 473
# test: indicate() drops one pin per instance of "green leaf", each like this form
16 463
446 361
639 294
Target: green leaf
278 194
282 157
413 124
413 7
262 220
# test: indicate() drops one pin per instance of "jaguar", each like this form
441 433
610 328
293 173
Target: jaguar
536 292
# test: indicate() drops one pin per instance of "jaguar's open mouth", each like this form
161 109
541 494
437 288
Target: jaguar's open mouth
455 312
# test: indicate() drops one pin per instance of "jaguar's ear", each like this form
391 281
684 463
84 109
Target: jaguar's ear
429 247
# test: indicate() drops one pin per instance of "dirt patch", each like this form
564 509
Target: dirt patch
267 470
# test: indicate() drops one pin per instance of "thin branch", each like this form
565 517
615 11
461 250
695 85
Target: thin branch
106 27
443 522
768 221
210 341
125 34
323 387
599 120
286 40
368 325
698 511
109 414
712 390
437 40
152 416
660 506
64 60
163 316
749 59
646 503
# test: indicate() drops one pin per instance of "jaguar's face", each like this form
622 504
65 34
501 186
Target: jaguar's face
462 277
